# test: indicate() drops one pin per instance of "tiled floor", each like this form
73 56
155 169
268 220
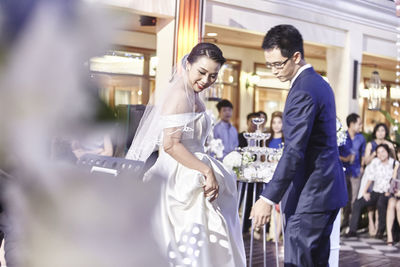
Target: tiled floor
354 252
364 251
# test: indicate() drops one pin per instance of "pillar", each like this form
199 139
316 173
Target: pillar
340 69
165 50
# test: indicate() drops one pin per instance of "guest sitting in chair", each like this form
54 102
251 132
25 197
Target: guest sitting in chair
99 145
393 208
379 172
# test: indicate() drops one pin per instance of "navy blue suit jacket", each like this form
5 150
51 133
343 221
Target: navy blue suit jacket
309 177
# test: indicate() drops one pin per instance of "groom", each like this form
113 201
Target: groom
309 177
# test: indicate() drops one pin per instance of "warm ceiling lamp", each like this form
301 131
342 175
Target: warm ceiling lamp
212 34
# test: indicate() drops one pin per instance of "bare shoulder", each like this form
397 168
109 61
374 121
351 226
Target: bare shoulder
368 146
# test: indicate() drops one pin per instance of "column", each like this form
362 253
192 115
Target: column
340 73
340 69
165 50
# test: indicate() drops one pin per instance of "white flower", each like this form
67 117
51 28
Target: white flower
261 172
233 159
338 125
216 146
247 158
249 172
266 171
341 134
341 138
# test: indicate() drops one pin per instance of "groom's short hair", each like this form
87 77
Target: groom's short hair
285 37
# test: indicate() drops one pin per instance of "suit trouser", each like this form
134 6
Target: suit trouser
353 185
347 208
307 239
378 199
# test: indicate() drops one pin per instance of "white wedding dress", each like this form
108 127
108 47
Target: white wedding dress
196 232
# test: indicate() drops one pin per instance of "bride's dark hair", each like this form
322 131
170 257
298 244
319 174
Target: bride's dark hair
206 49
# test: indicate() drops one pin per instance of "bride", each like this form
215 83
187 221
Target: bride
198 217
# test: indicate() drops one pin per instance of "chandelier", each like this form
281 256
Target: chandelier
375 91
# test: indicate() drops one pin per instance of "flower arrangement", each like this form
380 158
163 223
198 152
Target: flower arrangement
249 170
215 147
341 134
263 171
236 160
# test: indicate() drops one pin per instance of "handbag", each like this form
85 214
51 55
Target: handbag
394 186
394 183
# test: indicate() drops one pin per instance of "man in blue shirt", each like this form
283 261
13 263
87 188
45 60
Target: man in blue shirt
224 130
352 156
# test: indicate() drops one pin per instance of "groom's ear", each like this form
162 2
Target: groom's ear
297 57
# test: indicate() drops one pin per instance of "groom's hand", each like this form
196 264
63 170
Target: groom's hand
260 213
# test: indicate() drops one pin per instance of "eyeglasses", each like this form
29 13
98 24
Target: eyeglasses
277 65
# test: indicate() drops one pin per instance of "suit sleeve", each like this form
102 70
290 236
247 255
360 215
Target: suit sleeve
298 122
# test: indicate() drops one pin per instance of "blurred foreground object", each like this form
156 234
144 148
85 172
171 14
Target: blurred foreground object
67 217
58 214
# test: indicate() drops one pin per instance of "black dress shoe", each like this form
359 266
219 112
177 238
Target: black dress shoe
350 234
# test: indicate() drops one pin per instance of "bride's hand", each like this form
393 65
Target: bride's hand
211 187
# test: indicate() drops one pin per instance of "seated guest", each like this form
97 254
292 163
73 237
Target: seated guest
393 208
380 135
379 172
98 145
224 130
61 150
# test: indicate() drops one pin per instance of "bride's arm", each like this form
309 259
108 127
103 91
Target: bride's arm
178 151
